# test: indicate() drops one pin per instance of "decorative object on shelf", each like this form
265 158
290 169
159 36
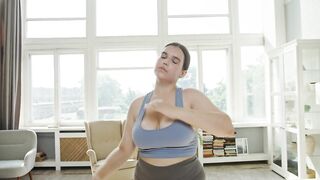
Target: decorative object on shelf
242 145
41 156
307 108
310 144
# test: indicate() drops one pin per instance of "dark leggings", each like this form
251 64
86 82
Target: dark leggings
189 169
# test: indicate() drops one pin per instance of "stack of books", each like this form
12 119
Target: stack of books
230 148
218 146
207 145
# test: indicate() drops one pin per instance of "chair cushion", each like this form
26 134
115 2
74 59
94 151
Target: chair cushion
104 137
12 168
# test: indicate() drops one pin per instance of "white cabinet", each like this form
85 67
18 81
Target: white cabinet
63 146
295 115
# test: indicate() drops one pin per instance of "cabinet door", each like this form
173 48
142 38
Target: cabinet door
291 110
73 149
290 70
275 74
310 75
276 110
292 153
277 151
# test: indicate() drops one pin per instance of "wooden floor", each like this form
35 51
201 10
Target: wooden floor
236 171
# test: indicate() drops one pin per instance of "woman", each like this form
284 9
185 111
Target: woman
163 125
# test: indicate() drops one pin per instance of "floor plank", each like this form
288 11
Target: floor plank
238 171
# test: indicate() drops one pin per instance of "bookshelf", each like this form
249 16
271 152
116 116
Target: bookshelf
257 141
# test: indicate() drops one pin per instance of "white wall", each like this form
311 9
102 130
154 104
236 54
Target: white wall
293 21
310 23
274 23
302 19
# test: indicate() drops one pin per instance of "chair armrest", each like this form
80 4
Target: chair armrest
92 156
130 163
30 158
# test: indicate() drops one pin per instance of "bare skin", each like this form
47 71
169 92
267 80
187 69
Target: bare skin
198 111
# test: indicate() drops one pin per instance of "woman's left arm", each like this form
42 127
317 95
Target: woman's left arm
202 114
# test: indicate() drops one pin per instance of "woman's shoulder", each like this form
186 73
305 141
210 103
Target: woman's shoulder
191 92
136 103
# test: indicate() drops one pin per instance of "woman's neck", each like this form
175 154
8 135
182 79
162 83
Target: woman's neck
164 89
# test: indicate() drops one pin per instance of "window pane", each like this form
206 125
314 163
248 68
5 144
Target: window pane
275 75
122 59
117 89
55 8
215 77
191 78
198 25
250 16
182 7
42 79
126 17
54 29
72 86
252 67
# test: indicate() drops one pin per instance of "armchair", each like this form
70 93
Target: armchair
102 138
18 150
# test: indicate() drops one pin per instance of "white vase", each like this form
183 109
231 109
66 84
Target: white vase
310 144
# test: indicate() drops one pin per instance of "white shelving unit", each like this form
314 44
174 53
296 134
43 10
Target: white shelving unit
51 146
294 68
262 155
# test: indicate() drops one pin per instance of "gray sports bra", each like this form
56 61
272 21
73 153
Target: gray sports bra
177 140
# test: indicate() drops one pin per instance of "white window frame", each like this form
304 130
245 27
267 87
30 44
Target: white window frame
92 44
57 106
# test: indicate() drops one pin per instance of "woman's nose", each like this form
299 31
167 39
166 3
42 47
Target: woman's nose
165 61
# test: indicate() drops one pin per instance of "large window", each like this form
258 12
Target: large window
250 16
127 17
215 76
57 88
89 59
253 82
198 17
55 18
122 77
42 80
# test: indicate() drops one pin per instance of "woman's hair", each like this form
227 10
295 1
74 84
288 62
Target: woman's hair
186 54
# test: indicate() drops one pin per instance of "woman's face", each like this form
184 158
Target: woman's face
169 64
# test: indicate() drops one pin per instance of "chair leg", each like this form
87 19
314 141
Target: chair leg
30 175
18 178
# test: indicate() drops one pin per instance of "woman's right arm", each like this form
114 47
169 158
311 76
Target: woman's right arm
124 150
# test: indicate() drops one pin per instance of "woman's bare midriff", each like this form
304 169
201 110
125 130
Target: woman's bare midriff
164 161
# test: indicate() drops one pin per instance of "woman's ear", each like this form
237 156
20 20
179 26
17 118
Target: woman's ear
183 73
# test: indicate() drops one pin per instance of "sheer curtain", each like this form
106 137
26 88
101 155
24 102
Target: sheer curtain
10 63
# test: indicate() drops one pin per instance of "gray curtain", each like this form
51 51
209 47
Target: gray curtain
10 63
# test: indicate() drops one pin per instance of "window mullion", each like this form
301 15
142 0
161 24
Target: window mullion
27 90
90 73
200 70
57 93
